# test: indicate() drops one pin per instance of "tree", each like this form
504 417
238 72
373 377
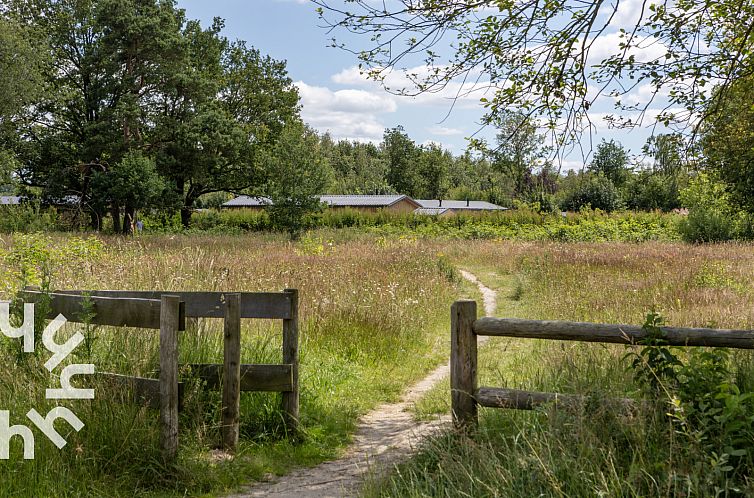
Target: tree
21 64
547 58
229 106
400 152
519 150
133 182
135 75
727 144
667 151
298 175
611 160
22 61
433 164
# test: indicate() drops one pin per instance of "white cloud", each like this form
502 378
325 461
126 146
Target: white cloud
461 94
443 131
346 114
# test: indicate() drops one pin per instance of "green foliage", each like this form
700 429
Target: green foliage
550 59
654 365
711 217
591 190
611 161
647 191
298 174
28 217
586 226
708 410
726 142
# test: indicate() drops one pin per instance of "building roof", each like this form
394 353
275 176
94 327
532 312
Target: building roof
453 204
248 201
432 211
6 200
330 200
364 200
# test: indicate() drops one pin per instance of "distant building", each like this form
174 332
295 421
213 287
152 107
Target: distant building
9 200
447 207
248 202
396 203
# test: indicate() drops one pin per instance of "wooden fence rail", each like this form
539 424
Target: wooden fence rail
167 312
466 395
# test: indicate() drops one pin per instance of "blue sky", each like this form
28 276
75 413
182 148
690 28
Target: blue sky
336 98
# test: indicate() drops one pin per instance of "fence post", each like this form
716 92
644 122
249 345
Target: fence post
169 324
290 403
463 363
231 405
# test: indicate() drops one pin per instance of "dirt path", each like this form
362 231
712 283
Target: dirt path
385 435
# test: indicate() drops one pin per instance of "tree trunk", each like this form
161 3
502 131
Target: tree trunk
95 221
128 220
186 216
115 214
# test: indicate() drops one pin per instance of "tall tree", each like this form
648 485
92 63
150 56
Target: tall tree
229 106
611 160
727 144
520 150
401 153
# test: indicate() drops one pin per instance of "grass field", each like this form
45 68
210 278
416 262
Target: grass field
373 319
592 450
375 314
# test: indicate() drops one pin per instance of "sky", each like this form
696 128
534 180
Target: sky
335 98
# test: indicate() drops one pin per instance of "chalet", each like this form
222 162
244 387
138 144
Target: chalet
395 203
447 207
9 200
248 202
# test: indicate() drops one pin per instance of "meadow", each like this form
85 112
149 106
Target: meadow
375 313
666 448
373 316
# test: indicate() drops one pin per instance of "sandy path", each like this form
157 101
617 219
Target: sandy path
385 435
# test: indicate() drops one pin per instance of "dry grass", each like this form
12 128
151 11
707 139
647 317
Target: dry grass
372 321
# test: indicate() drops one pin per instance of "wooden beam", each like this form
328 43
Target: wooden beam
290 399
116 312
135 390
169 317
497 397
274 305
463 364
617 334
231 399
269 378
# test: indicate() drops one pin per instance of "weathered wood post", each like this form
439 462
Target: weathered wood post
463 364
169 325
290 404
231 405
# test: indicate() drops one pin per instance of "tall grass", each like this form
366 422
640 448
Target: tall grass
593 449
372 321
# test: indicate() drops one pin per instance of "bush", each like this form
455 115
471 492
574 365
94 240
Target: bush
707 225
591 190
650 191
711 217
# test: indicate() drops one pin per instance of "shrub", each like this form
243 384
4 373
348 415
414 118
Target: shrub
594 190
649 191
711 217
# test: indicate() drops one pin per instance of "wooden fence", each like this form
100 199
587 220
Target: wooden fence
466 396
168 312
